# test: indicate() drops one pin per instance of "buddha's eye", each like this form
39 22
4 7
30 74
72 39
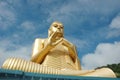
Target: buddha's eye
61 26
55 25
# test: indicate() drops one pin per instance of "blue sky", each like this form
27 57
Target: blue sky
92 25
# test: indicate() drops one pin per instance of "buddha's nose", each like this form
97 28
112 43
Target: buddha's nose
58 27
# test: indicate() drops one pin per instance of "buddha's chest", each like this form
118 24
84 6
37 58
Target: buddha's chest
58 58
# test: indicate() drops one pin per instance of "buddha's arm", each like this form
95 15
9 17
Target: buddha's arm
73 53
40 50
77 63
71 49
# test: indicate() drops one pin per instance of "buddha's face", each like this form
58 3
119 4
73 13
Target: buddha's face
57 27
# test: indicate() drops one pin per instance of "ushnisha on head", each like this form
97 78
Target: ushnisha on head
56 27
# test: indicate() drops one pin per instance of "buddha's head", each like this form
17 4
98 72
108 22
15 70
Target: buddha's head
56 27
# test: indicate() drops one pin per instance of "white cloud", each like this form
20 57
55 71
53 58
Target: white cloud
28 25
113 33
115 24
62 13
105 53
82 9
114 28
9 49
80 44
15 3
7 15
37 2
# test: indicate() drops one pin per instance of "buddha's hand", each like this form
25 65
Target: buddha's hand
71 49
67 43
54 39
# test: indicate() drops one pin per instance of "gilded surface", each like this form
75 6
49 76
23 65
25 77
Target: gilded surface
54 55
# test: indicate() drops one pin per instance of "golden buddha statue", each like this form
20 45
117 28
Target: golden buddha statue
54 55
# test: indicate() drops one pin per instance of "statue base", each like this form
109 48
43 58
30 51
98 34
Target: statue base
20 75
